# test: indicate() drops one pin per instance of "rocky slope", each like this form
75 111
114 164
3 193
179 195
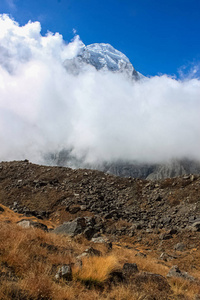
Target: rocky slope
64 194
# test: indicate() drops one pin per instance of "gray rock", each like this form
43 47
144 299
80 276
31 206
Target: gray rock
100 240
83 207
176 272
64 272
89 252
77 226
73 228
179 247
165 236
136 226
93 252
15 204
149 230
196 226
25 223
166 257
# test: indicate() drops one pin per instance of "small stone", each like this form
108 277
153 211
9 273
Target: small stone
179 247
24 223
166 257
149 230
64 272
83 207
89 252
165 236
93 252
196 226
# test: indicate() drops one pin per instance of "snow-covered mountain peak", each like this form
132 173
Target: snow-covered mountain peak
105 50
102 57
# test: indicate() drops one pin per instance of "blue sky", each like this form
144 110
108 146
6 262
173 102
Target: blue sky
158 36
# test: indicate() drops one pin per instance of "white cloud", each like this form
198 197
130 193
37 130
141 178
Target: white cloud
190 71
100 115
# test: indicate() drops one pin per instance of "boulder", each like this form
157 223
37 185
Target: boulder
176 272
77 226
72 228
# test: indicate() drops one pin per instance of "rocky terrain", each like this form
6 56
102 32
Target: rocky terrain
63 194
152 226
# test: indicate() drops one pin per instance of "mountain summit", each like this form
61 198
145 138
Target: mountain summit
102 57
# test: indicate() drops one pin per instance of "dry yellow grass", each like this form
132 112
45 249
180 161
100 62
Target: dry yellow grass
184 288
96 269
29 259
147 264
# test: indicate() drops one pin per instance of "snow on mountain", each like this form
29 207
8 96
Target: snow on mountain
102 57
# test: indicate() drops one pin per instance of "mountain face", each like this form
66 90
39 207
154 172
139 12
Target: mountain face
103 57
149 171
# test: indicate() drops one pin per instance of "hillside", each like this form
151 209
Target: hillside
56 190
109 222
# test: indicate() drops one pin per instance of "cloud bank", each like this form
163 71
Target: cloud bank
99 115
